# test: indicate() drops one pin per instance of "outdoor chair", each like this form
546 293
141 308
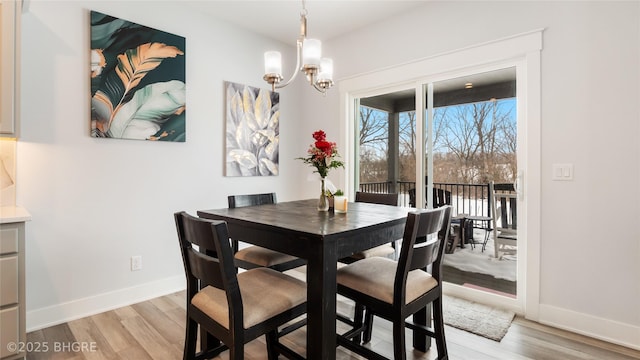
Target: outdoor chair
256 256
232 308
504 218
441 197
395 290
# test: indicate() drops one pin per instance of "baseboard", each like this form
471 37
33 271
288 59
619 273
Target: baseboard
599 328
76 309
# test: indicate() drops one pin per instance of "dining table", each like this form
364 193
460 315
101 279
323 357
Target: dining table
321 238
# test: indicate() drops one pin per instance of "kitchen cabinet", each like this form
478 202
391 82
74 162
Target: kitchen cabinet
13 333
10 13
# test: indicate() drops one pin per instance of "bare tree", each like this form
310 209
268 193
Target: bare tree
374 128
472 143
507 150
458 137
407 144
374 136
481 136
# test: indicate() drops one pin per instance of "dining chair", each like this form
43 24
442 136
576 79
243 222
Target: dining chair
256 256
394 290
385 250
232 307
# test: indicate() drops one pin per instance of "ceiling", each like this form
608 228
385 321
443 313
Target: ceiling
326 19
280 19
496 84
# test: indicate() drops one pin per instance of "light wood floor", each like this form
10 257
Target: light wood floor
154 330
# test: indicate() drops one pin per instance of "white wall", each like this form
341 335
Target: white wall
97 202
590 246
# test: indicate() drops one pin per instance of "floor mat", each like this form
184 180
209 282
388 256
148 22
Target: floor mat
476 318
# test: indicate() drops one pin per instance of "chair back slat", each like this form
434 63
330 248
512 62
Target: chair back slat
503 212
377 198
514 213
212 263
198 233
236 201
204 268
507 187
424 253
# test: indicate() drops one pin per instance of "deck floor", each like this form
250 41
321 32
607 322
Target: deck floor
478 281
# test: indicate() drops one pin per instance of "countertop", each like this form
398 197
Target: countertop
13 214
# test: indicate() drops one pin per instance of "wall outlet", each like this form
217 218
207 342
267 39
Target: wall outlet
136 263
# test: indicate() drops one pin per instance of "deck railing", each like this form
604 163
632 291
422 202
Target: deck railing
470 199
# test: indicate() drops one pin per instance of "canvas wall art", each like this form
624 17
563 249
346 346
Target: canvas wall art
253 131
137 81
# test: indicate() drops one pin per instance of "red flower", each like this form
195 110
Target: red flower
319 135
324 146
323 154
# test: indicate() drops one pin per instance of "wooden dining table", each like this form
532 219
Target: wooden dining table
321 237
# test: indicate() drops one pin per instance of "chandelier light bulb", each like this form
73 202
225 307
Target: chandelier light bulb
311 52
326 69
273 62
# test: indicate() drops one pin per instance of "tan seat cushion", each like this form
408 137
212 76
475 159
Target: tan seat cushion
375 277
265 294
263 256
382 250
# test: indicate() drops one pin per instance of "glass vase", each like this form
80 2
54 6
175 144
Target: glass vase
323 201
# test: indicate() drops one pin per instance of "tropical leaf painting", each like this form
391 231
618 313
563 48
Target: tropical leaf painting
137 81
253 131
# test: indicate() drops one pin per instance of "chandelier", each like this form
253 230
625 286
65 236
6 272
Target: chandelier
318 70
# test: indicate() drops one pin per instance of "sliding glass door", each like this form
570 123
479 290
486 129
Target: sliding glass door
473 132
459 148
471 143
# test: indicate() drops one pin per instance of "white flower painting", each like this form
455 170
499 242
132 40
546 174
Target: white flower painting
253 131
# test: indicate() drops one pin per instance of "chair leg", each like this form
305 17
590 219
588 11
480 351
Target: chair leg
396 251
486 239
399 342
368 321
272 341
190 339
422 317
358 315
236 351
438 327
208 341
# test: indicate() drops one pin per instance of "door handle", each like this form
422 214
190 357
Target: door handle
517 185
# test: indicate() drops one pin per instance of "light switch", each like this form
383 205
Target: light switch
557 172
562 172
